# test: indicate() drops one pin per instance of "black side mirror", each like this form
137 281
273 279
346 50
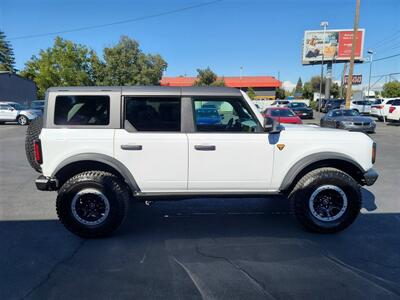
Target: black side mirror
271 125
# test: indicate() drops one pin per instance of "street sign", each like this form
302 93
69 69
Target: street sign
357 79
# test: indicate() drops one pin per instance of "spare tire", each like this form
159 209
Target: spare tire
32 134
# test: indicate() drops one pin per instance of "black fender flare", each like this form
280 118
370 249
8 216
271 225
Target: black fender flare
307 161
104 159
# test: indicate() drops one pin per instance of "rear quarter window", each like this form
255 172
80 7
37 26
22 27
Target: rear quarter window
82 110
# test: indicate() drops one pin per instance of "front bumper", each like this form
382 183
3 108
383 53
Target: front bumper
44 183
370 177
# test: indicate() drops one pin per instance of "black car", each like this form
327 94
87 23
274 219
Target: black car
348 119
332 104
301 110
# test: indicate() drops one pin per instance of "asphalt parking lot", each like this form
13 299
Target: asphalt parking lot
206 248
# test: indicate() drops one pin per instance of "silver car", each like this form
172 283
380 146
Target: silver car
15 112
348 119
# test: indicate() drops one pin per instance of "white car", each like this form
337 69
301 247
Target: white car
361 106
102 148
380 108
394 111
15 112
280 103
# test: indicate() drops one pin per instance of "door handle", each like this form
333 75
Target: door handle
132 147
205 147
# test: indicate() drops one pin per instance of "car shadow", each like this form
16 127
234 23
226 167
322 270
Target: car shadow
203 248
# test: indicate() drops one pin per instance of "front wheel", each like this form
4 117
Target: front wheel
22 120
92 204
326 200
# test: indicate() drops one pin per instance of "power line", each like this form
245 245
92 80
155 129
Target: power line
388 38
117 22
388 74
387 57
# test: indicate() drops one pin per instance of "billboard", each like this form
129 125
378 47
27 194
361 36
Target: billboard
337 46
357 79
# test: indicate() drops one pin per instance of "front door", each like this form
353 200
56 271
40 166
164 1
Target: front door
7 113
151 145
229 151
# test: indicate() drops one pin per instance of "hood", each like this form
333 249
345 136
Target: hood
305 109
37 112
355 119
308 127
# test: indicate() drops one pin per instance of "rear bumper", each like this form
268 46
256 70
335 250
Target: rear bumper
44 183
370 177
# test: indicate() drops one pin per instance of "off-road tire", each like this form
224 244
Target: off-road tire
32 134
111 186
301 194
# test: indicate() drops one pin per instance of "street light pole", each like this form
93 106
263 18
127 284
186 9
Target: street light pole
371 53
323 24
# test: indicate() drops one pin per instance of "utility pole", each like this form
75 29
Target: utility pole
371 53
323 24
353 50
241 73
342 84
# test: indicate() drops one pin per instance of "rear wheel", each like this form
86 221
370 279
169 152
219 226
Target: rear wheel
92 204
326 200
22 120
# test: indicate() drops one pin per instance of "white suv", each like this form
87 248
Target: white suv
394 111
380 108
361 106
101 147
15 112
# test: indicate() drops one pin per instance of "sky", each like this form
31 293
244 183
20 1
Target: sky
263 37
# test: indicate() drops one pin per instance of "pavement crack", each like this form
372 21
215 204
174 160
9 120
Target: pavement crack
53 269
260 286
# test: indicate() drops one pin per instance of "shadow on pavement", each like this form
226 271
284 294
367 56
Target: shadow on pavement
227 248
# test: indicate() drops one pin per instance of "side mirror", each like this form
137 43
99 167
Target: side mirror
271 125
11 108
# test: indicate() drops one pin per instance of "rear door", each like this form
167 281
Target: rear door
151 143
233 154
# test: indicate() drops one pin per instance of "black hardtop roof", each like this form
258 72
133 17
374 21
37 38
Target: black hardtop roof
153 90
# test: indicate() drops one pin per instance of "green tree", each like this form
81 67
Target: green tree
280 93
64 64
206 77
251 93
299 86
334 90
126 64
7 59
308 92
391 89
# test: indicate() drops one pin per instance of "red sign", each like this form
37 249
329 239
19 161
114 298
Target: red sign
345 44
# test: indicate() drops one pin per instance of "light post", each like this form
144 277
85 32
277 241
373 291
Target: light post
371 53
323 24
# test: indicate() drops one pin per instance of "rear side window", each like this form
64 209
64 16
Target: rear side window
153 114
82 110
396 102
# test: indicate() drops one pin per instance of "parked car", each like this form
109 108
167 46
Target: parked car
301 110
380 108
103 149
208 116
38 105
348 119
282 115
332 104
361 106
15 112
394 111
280 103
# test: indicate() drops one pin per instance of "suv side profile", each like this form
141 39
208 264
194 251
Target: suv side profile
102 147
15 112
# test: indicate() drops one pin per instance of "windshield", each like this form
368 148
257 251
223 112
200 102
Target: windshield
350 113
297 105
282 113
17 106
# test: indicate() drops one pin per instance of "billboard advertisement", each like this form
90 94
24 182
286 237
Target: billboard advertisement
357 79
337 46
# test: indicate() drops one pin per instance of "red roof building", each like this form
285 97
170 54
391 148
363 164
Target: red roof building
264 86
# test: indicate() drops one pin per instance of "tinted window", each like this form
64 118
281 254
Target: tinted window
396 102
350 113
82 110
336 113
153 114
298 104
17 106
223 115
282 113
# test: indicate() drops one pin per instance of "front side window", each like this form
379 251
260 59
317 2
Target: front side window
223 115
153 114
82 110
